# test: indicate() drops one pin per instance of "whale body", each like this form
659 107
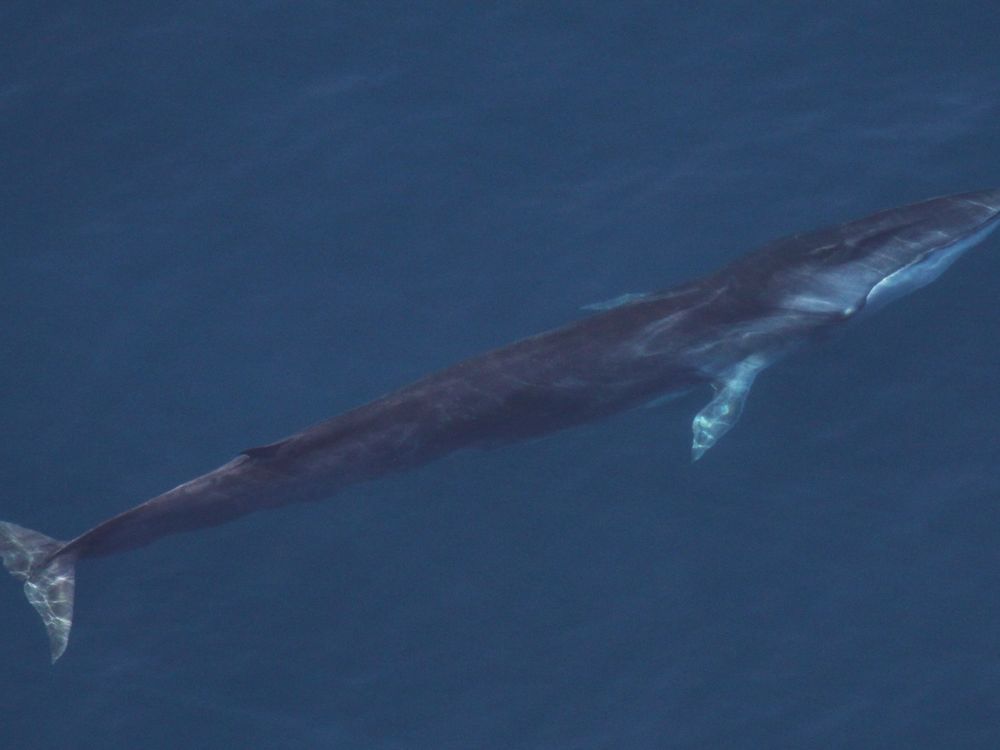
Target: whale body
720 330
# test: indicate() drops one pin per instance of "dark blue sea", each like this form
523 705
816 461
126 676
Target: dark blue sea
223 221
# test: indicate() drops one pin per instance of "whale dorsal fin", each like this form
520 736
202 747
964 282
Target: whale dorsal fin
611 304
263 452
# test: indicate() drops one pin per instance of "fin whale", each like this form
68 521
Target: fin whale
720 330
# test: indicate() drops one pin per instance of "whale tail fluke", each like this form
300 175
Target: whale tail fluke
48 579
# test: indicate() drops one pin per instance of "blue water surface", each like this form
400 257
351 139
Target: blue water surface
224 221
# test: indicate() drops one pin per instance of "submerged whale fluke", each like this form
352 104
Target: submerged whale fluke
48 579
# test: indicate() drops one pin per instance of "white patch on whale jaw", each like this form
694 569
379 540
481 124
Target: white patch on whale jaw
842 291
921 273
835 293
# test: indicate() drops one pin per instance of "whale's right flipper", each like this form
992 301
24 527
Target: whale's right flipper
723 411
48 579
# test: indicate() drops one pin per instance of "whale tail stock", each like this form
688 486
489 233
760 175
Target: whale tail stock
48 578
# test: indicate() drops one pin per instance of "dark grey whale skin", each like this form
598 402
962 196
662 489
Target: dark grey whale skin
718 330
586 370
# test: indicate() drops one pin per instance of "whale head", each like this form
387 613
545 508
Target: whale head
961 223
865 264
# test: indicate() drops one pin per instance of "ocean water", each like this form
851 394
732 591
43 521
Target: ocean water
224 221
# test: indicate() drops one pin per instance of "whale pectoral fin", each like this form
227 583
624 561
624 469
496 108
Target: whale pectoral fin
722 412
